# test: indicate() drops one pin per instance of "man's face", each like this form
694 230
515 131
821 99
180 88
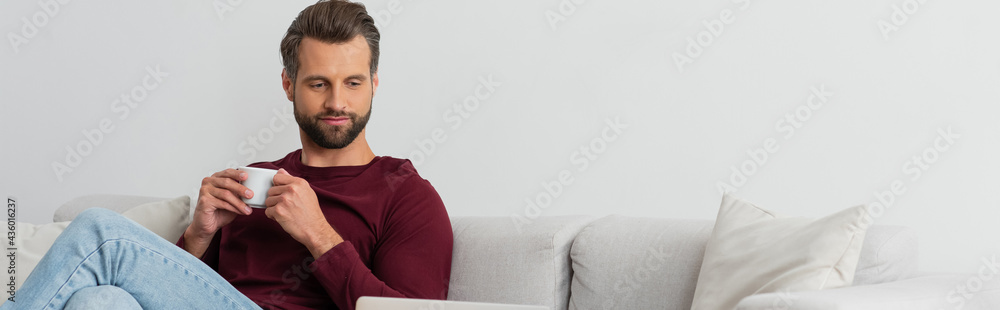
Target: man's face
333 91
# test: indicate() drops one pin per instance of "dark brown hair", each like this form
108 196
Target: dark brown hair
335 21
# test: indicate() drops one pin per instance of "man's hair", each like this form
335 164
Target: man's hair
335 21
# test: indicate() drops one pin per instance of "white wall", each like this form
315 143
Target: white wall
558 86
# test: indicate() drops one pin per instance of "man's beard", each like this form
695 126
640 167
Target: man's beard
329 136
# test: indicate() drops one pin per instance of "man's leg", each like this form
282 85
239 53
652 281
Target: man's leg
102 297
101 247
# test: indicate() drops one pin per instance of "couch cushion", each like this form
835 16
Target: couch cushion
889 254
615 261
117 203
494 261
930 292
637 263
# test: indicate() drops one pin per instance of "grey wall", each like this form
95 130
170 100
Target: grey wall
891 75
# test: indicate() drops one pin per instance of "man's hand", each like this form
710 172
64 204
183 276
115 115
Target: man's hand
293 204
218 204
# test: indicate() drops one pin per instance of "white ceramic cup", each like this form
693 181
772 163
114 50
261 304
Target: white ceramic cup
259 180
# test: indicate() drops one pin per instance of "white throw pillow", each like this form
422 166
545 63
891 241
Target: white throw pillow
754 251
167 218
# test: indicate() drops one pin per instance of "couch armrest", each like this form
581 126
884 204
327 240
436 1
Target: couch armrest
937 292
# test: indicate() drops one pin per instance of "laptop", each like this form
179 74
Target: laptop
388 303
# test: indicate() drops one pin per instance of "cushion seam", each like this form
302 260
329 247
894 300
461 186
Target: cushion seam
839 261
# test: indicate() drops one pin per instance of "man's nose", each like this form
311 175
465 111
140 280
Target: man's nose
336 100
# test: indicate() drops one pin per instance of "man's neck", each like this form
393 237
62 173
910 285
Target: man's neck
358 153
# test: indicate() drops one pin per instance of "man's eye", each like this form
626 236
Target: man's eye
354 84
317 85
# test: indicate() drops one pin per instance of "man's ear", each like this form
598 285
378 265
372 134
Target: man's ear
286 83
374 82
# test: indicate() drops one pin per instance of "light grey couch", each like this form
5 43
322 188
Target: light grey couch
618 262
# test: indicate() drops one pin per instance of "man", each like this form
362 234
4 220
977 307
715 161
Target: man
340 222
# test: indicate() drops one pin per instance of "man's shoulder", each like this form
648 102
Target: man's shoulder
409 192
400 173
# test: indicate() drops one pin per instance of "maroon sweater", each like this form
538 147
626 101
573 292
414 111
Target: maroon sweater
397 240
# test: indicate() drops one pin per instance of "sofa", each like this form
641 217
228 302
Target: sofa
621 262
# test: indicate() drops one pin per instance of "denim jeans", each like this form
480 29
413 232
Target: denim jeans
103 258
102 297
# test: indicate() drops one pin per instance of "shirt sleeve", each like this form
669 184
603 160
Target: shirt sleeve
211 256
413 260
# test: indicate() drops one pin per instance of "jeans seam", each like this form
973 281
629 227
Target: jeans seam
116 240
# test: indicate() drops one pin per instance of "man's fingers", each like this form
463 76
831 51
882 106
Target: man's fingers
225 199
230 179
276 190
269 212
274 195
282 179
272 201
231 185
232 174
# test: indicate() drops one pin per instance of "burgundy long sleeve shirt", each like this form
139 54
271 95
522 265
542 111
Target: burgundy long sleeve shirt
397 240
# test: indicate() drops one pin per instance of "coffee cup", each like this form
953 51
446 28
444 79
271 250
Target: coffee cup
259 180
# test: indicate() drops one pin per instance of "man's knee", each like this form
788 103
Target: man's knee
102 297
95 215
98 219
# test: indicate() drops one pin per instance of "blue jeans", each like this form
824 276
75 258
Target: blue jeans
104 258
